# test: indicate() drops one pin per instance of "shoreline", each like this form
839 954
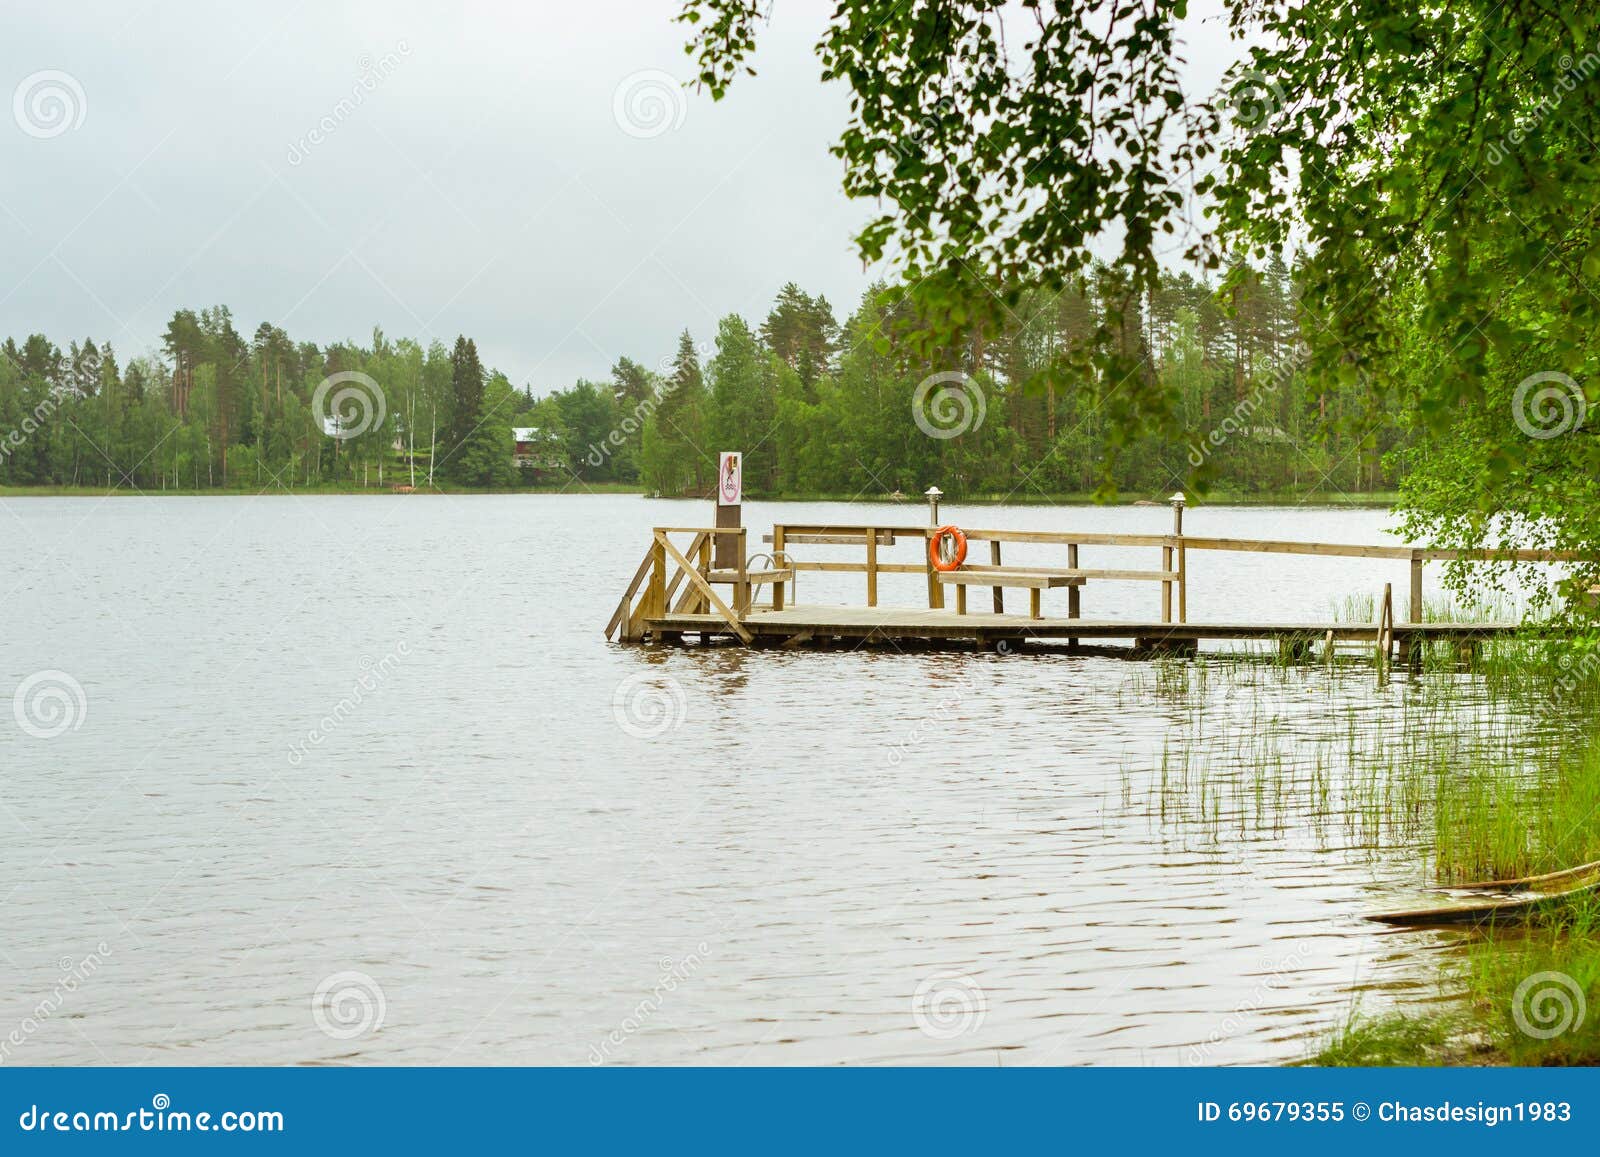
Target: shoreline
1373 500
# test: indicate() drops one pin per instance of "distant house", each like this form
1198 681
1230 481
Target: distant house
523 439
535 449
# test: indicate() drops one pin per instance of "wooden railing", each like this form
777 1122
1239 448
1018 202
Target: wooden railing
655 587
665 568
1171 576
1173 573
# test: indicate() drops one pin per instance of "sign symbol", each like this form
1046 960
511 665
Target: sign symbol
730 479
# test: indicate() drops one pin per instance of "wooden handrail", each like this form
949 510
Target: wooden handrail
705 588
699 549
625 607
734 530
1069 538
791 529
1355 550
1195 542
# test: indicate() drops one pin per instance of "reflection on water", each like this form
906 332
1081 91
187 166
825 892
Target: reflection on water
358 779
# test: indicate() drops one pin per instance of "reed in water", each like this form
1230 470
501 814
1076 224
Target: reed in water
1480 767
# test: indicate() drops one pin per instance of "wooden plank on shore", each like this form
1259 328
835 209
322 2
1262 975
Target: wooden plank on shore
1546 880
1518 911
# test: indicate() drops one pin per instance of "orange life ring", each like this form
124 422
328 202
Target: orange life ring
936 554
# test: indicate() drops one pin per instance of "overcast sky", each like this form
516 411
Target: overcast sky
530 175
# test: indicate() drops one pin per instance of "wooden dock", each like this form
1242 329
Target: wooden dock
676 592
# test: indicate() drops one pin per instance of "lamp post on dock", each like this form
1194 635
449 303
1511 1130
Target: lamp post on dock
934 494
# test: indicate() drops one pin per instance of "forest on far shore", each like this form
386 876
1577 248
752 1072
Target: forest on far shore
818 406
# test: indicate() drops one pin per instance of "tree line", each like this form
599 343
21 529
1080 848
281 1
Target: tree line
818 406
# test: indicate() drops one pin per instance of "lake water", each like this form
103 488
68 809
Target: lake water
358 779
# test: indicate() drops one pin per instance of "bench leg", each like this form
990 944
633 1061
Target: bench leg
1033 603
961 598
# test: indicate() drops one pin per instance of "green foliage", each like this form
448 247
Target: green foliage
1434 163
223 412
673 455
484 458
816 407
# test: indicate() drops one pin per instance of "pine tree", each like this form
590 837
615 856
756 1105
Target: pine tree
485 452
466 397
743 399
673 455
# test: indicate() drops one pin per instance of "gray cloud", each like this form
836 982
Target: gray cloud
429 169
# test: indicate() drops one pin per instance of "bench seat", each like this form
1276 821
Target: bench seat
754 577
1034 579
1043 580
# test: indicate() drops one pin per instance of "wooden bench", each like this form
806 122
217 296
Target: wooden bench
1034 579
753 577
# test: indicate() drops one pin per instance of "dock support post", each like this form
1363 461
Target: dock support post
935 590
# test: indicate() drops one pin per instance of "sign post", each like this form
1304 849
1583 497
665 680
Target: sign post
730 506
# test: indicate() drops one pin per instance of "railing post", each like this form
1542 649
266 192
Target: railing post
1167 553
741 604
1416 587
705 570
1385 625
872 567
1178 501
780 559
1074 593
1166 585
656 599
999 592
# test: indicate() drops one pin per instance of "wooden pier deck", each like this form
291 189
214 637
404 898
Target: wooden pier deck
675 591
806 624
